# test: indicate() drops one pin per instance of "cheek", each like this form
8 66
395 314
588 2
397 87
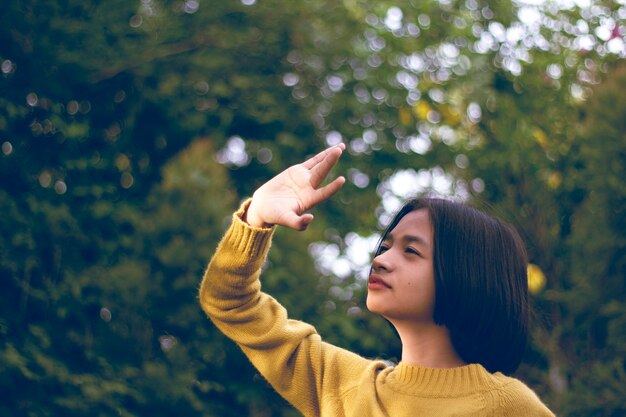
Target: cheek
422 293
421 290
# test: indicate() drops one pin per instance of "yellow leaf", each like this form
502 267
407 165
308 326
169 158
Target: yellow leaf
540 137
421 110
450 116
554 180
405 116
536 279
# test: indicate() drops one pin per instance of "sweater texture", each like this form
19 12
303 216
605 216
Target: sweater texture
320 379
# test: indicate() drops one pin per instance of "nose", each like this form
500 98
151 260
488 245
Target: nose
381 262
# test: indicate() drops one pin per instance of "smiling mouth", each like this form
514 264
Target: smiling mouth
376 282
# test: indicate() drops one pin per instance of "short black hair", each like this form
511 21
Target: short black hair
481 286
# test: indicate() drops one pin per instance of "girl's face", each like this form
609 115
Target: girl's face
401 286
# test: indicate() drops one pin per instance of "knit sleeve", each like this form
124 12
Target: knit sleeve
310 374
516 399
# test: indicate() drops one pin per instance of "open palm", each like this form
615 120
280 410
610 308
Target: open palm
285 199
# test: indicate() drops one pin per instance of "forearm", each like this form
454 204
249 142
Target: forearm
232 276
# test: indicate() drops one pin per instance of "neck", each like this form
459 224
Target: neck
427 344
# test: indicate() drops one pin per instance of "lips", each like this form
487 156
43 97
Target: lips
377 282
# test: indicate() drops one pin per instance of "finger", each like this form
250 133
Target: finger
311 162
305 220
294 221
328 190
320 171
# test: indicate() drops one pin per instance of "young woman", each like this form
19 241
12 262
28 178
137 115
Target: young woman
450 279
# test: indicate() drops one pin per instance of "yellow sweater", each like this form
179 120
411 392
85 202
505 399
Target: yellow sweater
320 379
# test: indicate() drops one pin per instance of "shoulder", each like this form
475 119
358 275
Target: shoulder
516 398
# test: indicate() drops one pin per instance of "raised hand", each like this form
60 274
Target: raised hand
285 199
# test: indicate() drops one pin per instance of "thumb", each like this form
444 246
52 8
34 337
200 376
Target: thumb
296 222
305 220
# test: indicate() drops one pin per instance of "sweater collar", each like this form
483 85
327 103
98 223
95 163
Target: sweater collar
442 382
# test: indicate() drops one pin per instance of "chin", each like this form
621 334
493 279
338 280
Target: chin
372 307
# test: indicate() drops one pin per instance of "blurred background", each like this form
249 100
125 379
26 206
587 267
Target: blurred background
131 130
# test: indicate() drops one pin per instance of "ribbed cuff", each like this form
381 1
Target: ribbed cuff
252 241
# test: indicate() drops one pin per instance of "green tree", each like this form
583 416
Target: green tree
118 121
593 333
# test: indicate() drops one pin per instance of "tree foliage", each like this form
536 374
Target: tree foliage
130 131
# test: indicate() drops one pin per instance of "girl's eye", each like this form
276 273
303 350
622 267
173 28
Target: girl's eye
382 249
412 251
